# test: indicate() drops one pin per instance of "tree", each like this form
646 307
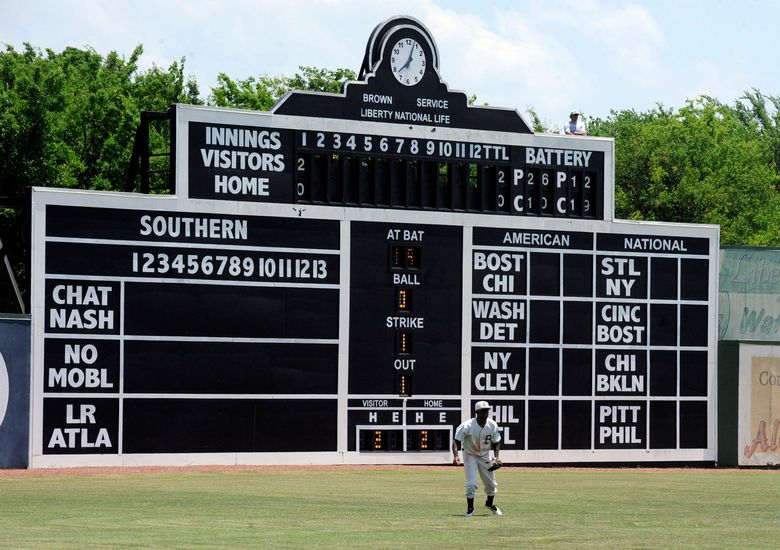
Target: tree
537 125
756 115
68 120
701 163
263 92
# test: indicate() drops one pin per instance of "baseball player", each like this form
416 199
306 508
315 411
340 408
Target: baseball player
477 436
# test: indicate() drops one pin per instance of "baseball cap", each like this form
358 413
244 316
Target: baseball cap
574 113
481 405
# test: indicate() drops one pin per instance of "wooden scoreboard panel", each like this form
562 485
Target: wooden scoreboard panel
387 170
593 340
170 333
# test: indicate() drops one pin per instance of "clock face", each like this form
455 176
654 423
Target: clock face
407 61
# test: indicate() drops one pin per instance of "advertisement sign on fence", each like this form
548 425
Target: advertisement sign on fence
759 403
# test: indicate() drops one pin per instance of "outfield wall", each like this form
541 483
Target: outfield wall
14 392
748 371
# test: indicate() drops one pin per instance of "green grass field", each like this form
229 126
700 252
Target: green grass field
390 508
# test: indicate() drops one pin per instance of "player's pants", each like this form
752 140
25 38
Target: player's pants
473 464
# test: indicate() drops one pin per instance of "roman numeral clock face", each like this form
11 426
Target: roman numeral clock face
408 61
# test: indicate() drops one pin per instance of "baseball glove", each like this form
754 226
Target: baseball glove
496 464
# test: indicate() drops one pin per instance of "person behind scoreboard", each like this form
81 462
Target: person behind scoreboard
477 436
575 126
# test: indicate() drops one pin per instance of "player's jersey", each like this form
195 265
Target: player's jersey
475 439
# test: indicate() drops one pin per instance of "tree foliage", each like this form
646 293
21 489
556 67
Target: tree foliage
263 92
537 125
704 163
755 111
68 120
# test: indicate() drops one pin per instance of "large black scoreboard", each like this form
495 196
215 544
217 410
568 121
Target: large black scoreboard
339 280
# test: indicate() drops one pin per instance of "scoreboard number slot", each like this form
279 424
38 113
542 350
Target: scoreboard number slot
356 177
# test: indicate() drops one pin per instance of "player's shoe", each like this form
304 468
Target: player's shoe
493 508
469 512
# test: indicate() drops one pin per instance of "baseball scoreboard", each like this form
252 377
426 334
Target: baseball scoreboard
340 279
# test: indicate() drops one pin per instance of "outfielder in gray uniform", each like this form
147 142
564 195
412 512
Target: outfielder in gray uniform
477 437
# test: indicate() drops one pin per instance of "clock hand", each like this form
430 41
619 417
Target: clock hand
408 61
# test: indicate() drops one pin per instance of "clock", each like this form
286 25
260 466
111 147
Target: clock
407 61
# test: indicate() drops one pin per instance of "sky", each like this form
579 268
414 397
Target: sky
554 56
